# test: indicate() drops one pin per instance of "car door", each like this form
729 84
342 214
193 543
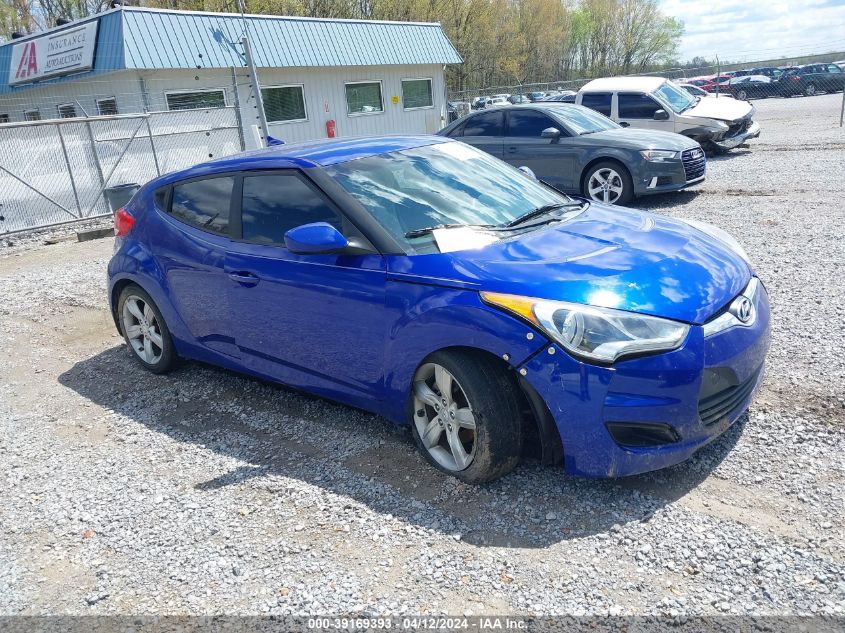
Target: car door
551 160
636 109
310 321
833 78
484 131
191 237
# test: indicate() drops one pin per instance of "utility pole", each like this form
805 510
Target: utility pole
256 90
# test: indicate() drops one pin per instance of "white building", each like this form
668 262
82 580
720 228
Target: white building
366 77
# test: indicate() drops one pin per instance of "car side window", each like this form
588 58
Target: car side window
204 203
598 101
528 123
833 68
275 203
636 106
486 124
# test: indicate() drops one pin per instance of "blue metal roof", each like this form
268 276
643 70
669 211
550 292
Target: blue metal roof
142 38
212 40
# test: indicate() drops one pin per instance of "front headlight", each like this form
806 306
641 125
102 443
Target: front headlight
723 236
658 155
592 333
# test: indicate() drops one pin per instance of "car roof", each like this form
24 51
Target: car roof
323 152
326 152
613 84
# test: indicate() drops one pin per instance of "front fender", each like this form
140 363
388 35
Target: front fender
431 318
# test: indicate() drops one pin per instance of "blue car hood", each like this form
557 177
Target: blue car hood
607 256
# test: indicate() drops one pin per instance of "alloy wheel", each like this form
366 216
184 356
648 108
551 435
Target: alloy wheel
742 95
142 329
811 90
605 185
443 417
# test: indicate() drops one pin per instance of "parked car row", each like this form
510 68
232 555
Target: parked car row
504 99
615 139
769 81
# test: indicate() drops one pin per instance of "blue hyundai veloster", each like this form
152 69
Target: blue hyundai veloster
428 282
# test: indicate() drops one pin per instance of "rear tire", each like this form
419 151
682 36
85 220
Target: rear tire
465 416
620 188
144 330
810 90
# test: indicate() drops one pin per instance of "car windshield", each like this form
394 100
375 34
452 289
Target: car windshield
677 98
581 120
446 183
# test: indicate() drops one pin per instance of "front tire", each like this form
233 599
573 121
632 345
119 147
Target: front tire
144 330
465 416
742 95
608 182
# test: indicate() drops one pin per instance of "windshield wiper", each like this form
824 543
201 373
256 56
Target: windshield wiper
430 229
546 208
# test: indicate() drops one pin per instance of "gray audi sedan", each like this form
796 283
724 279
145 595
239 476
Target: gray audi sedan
577 150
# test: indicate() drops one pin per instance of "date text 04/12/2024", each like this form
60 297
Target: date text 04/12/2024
420 623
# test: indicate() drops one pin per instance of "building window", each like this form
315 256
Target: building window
31 115
364 97
284 103
107 107
195 100
67 111
4 118
416 93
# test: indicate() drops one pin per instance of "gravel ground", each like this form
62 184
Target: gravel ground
205 492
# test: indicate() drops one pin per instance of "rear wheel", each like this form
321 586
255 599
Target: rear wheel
466 418
145 331
810 90
609 182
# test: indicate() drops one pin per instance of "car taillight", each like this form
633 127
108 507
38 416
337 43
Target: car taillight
123 222
795 78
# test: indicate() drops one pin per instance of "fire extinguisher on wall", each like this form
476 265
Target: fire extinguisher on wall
331 128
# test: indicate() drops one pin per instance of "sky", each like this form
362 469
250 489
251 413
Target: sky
748 30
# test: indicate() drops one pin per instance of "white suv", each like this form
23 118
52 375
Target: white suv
656 103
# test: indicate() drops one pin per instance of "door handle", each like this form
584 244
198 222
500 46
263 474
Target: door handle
244 278
623 124
513 150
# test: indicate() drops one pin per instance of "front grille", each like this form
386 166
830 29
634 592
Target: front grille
694 163
738 128
714 407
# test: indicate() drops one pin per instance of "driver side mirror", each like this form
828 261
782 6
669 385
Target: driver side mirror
321 238
550 133
661 115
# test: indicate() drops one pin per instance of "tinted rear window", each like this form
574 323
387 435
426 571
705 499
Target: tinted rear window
598 101
204 203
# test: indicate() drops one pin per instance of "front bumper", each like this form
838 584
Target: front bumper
659 177
753 131
665 391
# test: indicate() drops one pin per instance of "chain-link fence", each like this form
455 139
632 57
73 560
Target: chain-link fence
750 81
56 171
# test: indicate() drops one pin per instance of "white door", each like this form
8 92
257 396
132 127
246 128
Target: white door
639 110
